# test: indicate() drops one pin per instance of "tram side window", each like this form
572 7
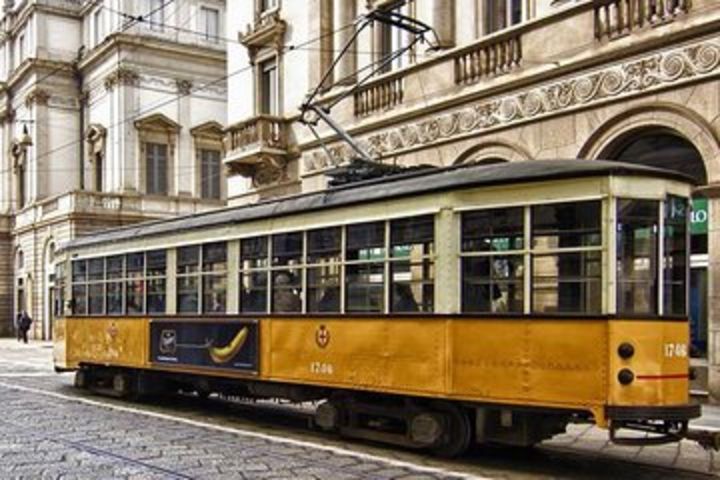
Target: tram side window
287 257
59 305
254 275
79 287
115 271
324 259
675 263
96 286
134 284
412 269
492 261
637 251
214 283
188 268
156 281
365 268
567 258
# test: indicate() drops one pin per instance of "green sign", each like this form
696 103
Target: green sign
699 218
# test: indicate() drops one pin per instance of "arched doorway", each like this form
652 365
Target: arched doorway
664 148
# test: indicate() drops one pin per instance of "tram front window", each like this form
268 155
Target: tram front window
675 262
637 250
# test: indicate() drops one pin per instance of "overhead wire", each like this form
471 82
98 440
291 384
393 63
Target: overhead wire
174 98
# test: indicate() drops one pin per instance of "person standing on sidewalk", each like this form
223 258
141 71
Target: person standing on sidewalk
25 322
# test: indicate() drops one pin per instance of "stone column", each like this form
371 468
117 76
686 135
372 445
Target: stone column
714 297
344 13
443 21
185 159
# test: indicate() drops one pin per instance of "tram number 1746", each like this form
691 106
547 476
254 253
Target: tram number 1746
673 350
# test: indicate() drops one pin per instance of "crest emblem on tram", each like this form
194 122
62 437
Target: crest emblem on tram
322 336
168 342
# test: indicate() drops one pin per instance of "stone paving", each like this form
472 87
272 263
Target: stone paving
49 430
47 437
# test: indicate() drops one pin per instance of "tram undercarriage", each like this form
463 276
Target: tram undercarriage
446 428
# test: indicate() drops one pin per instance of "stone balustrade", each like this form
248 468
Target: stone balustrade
133 205
262 131
380 95
497 55
617 18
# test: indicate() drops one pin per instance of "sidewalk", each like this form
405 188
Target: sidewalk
13 344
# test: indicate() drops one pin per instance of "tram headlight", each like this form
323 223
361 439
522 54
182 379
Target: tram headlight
625 376
626 350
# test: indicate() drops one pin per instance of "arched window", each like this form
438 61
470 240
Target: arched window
661 149
664 148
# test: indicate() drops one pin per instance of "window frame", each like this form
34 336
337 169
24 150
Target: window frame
528 253
215 183
205 24
268 98
157 174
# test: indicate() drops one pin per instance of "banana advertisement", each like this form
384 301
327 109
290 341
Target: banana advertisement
212 344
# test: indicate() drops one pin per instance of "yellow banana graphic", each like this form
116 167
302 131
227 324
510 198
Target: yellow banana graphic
226 353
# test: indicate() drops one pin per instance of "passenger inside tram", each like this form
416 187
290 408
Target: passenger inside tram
285 297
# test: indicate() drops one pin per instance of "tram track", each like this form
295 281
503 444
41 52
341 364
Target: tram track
122 406
289 424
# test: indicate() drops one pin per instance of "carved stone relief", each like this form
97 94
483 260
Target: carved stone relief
640 75
121 76
37 96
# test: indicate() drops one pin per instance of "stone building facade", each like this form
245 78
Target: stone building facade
104 121
507 80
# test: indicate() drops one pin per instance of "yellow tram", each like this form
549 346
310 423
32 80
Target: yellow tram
429 309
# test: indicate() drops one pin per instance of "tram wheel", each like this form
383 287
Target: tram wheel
82 379
122 385
458 433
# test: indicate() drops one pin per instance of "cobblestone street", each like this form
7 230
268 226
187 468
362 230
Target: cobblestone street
49 430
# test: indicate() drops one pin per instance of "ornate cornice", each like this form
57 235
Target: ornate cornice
37 96
153 45
613 82
268 31
121 76
184 87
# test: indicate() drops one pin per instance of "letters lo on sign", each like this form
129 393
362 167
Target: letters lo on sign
699 216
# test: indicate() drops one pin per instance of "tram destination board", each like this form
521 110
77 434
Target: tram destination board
207 344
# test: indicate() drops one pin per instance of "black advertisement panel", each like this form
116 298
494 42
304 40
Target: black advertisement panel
206 344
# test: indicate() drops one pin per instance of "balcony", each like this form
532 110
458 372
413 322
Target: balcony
497 55
258 149
113 208
379 96
584 54
617 18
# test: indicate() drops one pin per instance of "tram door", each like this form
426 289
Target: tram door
698 312
51 308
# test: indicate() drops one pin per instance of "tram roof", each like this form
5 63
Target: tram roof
396 186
